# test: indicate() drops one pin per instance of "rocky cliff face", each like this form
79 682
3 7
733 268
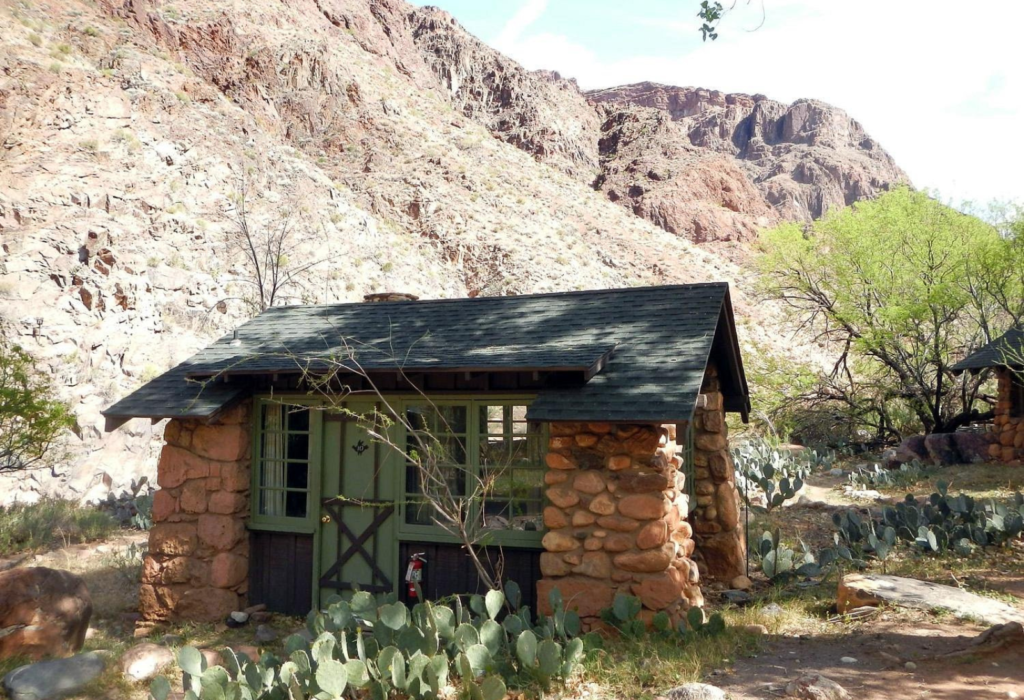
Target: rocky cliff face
128 128
536 111
400 152
805 158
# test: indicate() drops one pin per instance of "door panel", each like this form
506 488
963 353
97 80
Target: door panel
358 536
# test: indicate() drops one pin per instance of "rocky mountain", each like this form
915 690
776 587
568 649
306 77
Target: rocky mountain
804 159
399 152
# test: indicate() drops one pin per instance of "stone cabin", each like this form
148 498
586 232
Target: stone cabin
1006 356
597 417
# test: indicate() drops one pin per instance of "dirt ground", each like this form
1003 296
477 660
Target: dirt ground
883 645
881 650
800 640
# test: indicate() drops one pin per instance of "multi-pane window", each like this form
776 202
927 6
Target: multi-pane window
437 440
489 449
283 484
511 468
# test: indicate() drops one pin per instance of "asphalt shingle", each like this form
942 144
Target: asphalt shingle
654 341
1008 349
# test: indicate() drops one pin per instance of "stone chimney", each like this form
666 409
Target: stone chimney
389 296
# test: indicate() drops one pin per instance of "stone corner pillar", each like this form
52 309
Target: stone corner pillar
1007 436
197 567
616 521
721 546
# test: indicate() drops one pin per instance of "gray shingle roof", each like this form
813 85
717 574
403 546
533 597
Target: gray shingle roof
1008 349
661 337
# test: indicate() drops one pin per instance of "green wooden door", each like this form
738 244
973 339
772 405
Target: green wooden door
358 530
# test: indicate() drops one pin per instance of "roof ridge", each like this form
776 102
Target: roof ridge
541 295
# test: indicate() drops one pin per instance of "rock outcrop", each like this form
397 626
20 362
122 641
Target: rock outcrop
396 149
43 612
805 158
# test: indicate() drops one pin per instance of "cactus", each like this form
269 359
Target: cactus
776 473
379 648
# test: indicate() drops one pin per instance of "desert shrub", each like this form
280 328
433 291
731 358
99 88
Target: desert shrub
50 522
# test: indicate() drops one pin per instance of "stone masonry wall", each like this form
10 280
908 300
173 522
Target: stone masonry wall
616 520
198 562
721 547
1008 434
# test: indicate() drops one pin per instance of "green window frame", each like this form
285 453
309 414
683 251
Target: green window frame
485 439
286 465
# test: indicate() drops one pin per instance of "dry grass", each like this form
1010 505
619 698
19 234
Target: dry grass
983 481
50 523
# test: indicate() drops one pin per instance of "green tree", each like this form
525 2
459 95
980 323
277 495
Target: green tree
900 288
32 420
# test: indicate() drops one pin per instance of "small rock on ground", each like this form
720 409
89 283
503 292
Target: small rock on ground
814 686
848 660
265 634
143 661
741 583
759 630
695 691
737 597
51 679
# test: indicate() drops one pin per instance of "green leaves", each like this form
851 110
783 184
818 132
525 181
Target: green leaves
160 688
191 661
395 615
332 677
906 283
493 601
526 648
382 648
31 417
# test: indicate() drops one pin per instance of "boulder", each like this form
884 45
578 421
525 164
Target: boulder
858 590
695 691
941 449
724 554
52 679
973 447
910 449
43 612
814 686
144 661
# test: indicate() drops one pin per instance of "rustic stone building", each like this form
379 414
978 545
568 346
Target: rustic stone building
1005 356
597 418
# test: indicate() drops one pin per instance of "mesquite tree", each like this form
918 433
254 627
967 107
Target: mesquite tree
32 420
900 288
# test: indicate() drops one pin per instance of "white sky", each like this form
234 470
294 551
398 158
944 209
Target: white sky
939 83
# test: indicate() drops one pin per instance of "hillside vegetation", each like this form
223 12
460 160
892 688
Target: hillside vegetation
396 150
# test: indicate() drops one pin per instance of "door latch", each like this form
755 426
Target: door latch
325 519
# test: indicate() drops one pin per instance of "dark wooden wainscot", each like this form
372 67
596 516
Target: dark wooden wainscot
449 571
281 572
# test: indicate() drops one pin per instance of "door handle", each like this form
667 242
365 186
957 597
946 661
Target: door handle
325 519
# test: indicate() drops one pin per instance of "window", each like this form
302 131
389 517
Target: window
479 443
284 459
439 436
511 468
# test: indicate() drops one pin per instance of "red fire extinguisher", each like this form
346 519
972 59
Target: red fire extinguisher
414 572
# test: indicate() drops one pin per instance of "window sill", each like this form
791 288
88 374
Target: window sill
299 527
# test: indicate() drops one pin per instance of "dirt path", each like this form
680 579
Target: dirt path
881 649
